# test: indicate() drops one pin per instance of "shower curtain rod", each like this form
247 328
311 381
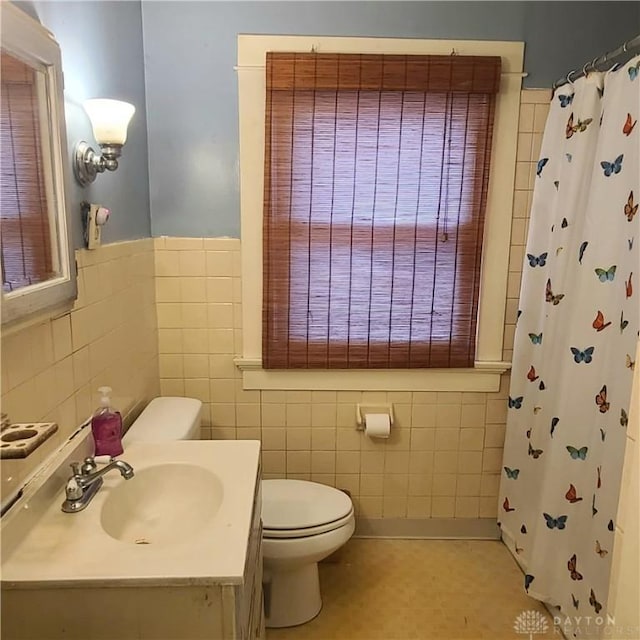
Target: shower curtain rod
627 47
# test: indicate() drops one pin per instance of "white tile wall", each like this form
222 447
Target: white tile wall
50 372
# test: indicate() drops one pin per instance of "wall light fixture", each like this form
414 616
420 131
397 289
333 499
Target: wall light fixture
109 119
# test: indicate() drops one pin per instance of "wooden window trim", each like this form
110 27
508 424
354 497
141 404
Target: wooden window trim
485 376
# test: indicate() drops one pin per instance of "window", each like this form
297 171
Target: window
376 172
455 365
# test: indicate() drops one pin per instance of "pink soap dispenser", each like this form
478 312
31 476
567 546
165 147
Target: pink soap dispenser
106 426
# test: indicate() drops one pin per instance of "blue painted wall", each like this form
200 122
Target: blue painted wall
102 56
183 180
190 51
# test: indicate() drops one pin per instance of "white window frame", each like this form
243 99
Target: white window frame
27 40
488 366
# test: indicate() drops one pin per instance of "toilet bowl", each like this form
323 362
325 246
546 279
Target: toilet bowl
303 522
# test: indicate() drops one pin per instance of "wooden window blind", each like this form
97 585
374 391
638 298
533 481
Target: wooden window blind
25 238
376 174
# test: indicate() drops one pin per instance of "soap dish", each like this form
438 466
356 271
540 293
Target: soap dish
20 439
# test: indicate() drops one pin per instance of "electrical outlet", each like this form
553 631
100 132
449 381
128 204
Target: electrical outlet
93 217
94 230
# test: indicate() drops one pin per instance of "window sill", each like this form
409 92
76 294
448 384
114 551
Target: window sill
484 377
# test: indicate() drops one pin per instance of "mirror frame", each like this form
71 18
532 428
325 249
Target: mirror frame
26 39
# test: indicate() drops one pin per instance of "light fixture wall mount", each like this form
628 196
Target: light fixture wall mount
89 164
109 119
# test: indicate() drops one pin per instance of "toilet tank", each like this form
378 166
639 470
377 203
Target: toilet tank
166 419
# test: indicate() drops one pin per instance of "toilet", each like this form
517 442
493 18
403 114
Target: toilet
165 419
303 522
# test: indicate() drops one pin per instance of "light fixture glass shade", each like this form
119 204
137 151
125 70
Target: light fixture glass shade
109 119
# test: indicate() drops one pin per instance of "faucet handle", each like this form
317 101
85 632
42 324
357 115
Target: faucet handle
75 467
72 489
88 466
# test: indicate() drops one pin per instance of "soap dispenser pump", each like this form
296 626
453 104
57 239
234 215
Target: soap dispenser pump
106 426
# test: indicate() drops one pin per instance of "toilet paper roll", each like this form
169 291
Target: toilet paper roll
377 425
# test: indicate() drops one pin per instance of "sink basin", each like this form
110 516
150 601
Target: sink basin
162 504
188 507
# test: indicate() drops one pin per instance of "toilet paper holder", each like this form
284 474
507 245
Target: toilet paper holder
363 409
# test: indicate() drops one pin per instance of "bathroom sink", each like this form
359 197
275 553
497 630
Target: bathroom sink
162 504
184 517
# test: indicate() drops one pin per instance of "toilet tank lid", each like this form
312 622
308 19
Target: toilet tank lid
167 418
299 504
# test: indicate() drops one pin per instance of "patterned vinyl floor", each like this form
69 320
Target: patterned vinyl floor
422 589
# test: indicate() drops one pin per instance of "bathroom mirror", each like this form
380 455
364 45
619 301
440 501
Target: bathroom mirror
38 272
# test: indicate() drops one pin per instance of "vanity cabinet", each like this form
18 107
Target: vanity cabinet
148 603
245 600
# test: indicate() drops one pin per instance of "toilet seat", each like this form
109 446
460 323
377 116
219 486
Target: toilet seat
298 508
307 531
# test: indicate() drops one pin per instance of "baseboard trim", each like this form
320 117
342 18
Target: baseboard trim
440 528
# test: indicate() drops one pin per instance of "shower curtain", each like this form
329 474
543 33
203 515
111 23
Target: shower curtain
575 342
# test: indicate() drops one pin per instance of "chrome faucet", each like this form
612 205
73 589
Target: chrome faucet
87 479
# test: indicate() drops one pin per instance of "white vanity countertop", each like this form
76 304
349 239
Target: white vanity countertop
67 549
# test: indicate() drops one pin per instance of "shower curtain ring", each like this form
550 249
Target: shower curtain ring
591 65
569 80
